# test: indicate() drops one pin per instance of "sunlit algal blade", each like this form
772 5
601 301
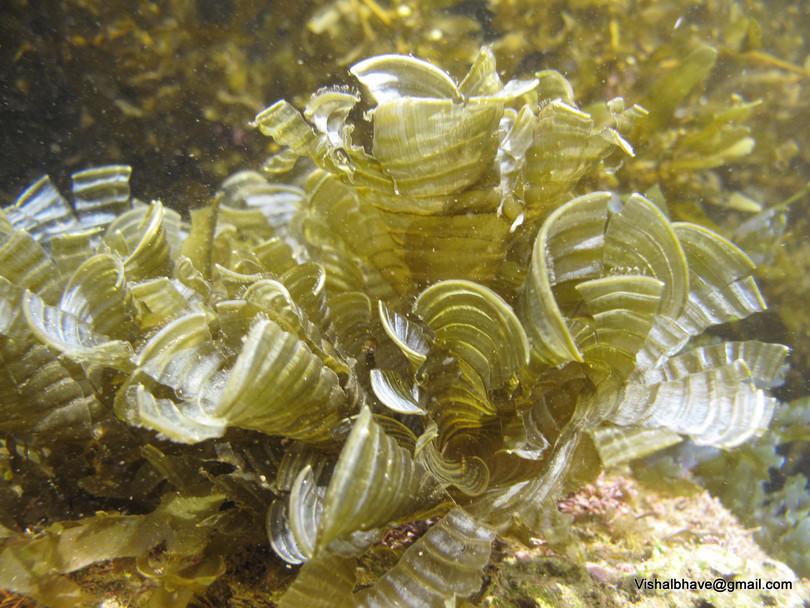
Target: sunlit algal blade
182 356
125 232
101 194
97 293
468 475
162 300
640 240
307 286
275 256
617 445
25 263
279 387
458 400
186 421
287 127
719 407
238 229
335 151
524 501
274 298
566 145
396 393
232 283
276 303
42 211
151 256
665 338
517 135
353 227
474 324
482 79
433 147
250 190
292 521
636 293
306 509
196 258
410 338
554 85
443 238
568 247
39 395
351 316
446 563
74 337
328 111
622 309
722 287
374 483
767 362
325 582
393 77
70 249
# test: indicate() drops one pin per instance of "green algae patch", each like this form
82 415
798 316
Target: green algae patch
419 309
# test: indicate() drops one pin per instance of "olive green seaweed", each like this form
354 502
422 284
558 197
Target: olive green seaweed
417 311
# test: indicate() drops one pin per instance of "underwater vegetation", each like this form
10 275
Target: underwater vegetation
413 313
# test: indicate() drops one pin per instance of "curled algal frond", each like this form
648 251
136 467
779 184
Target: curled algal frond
101 194
97 292
181 355
292 524
766 362
73 336
623 308
482 79
392 77
24 262
721 281
41 396
284 123
411 339
468 475
42 211
475 325
148 238
719 406
375 482
326 582
617 445
308 396
447 562
70 249
393 391
568 247
248 190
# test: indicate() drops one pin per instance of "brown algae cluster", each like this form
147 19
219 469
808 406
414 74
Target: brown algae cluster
405 316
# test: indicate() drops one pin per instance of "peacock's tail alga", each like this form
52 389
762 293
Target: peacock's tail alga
411 313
